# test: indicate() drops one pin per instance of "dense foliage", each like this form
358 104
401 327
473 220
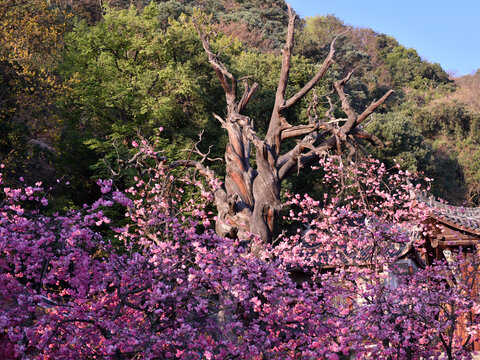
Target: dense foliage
164 285
69 103
31 45
133 80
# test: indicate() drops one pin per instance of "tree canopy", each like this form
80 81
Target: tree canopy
98 86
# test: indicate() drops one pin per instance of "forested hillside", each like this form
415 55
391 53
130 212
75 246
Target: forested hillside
79 82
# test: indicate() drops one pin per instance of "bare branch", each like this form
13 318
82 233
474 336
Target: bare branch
206 172
329 112
294 160
219 52
371 108
222 73
311 138
358 145
346 107
361 134
287 165
316 78
300 130
286 60
313 106
338 143
249 134
196 150
247 95
347 78
219 119
297 160
351 152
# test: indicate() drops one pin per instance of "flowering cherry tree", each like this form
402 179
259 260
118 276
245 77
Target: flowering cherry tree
161 284
422 316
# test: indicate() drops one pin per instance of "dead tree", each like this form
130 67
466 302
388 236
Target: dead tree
249 200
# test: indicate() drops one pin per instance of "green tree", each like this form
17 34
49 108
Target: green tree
31 42
133 77
404 143
408 69
448 118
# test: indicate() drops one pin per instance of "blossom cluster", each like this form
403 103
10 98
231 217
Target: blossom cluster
162 284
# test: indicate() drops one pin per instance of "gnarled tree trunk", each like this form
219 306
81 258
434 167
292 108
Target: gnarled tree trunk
249 201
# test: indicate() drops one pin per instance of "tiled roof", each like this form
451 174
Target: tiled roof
462 218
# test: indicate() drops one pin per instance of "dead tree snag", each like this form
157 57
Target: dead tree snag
249 201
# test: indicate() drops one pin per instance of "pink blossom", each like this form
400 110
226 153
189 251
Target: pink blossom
161 284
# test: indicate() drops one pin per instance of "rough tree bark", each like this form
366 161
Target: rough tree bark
249 201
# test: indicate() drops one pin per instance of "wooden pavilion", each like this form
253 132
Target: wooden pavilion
454 229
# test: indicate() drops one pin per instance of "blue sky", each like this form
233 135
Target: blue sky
447 32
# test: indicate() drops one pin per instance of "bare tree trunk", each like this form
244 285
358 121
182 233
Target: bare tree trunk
266 192
249 201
